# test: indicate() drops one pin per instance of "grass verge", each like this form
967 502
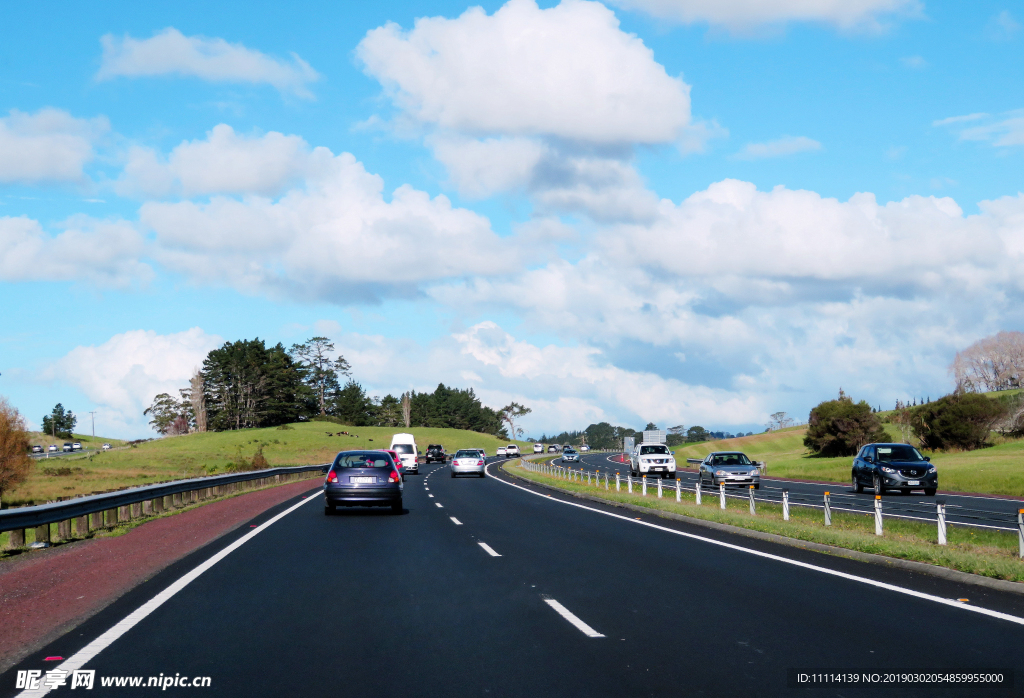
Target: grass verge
983 552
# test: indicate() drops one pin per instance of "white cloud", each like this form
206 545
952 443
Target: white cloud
334 239
959 119
914 62
567 72
743 15
105 253
48 146
224 163
1005 131
170 52
124 373
787 145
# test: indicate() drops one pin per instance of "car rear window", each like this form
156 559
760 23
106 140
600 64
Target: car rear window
402 448
647 450
898 452
364 460
467 454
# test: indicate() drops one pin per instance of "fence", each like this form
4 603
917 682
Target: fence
944 514
109 509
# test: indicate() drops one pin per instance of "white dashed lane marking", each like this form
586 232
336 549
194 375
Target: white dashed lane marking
490 551
455 521
571 617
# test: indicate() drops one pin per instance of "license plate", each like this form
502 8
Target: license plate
363 480
914 482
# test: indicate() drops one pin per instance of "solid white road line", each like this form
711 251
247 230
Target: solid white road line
778 558
438 504
455 521
490 551
569 616
80 658
431 496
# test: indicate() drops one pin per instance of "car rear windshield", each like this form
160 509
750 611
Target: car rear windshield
898 452
467 454
363 460
731 459
647 450
402 448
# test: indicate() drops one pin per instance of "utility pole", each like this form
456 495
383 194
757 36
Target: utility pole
93 413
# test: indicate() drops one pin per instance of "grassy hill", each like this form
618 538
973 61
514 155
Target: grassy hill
995 470
177 457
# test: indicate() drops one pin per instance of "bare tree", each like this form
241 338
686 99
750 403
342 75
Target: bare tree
14 459
198 399
509 414
406 410
992 363
779 420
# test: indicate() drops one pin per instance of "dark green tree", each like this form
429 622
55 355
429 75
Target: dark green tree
840 427
249 385
961 421
321 371
353 406
697 434
60 424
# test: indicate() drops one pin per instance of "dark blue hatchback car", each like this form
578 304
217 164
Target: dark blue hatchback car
894 467
363 478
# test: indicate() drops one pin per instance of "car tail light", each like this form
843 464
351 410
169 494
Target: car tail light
394 476
479 462
332 476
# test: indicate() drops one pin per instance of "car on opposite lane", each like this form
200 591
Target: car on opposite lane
468 461
363 478
729 468
106 447
68 447
552 449
37 449
570 455
538 448
894 467
52 448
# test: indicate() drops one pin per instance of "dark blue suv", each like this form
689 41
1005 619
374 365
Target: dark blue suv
894 467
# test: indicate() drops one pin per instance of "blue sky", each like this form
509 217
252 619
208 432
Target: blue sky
677 211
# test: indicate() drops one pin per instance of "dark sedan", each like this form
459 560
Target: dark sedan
363 478
894 467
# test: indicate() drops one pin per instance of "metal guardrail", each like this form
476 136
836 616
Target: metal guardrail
55 512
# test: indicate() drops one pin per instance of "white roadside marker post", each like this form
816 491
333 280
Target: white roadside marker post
785 505
753 507
828 510
629 483
606 481
878 514
679 491
697 491
618 483
1020 531
645 485
940 517
721 495
659 486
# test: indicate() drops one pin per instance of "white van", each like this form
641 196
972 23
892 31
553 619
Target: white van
538 448
405 446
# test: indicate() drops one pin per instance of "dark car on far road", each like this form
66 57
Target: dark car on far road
363 478
435 454
37 449
894 467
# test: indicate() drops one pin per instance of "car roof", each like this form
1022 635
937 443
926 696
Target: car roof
727 453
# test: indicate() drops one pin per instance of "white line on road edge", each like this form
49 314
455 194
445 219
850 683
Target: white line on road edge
438 504
778 558
84 655
569 616
490 551
455 521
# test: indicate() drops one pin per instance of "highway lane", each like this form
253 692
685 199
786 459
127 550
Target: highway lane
455 600
995 512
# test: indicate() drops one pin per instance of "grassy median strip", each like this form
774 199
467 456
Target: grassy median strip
976 551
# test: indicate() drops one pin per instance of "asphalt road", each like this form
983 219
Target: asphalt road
994 512
483 588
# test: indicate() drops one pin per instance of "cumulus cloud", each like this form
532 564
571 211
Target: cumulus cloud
222 163
743 15
170 52
124 373
1005 130
48 146
787 145
334 239
105 253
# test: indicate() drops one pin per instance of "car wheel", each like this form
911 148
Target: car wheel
857 487
929 491
757 486
396 507
482 474
328 509
877 485
453 473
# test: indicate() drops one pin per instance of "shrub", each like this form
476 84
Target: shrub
957 421
14 445
840 427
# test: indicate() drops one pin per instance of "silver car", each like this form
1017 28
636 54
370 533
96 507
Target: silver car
730 468
468 461
569 455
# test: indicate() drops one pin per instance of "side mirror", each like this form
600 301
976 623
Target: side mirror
928 458
869 459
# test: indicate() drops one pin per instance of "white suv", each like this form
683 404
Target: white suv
512 451
652 459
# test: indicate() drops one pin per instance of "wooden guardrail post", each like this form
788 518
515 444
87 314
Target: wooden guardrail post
42 533
17 539
110 518
136 510
81 526
64 529
95 520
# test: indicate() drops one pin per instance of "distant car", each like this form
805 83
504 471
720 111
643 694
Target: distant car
435 454
77 446
730 468
468 460
398 461
106 447
570 455
501 450
52 448
37 449
363 478
68 448
512 451
552 449
584 448
894 467
482 452
538 448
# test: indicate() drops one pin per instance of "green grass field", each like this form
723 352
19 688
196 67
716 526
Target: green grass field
995 470
177 457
